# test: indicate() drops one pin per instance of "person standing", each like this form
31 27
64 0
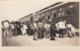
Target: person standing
52 31
23 28
70 30
31 29
18 28
6 25
6 32
40 30
35 35
47 29
61 27
12 26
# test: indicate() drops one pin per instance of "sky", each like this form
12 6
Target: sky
14 10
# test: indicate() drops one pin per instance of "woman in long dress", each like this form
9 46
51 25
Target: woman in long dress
23 28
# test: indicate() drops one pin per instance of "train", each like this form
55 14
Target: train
68 11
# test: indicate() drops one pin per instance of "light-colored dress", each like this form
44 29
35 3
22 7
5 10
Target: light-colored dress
23 29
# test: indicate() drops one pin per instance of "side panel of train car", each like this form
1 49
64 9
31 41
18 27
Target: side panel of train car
68 12
71 14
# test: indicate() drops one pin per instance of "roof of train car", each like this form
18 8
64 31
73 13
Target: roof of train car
47 8
52 7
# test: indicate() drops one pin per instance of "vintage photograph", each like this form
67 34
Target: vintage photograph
27 23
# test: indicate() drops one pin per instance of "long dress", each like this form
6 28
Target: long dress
23 29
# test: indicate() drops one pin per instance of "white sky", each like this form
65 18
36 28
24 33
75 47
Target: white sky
14 10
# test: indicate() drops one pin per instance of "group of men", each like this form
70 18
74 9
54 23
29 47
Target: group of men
38 29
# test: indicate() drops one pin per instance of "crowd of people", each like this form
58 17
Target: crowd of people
38 29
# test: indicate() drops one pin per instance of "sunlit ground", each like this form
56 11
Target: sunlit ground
28 41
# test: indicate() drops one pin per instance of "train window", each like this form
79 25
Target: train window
43 15
70 6
53 14
63 13
75 5
60 9
59 14
35 18
38 16
54 11
69 12
47 15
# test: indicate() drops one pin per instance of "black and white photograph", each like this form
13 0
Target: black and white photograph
39 23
